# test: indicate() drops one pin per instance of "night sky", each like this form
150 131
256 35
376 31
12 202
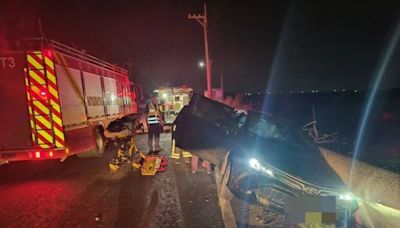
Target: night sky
258 46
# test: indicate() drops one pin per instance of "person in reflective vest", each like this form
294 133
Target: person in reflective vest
154 124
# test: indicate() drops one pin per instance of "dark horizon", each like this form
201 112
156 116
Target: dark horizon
259 46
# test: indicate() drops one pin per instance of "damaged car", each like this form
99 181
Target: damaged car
270 161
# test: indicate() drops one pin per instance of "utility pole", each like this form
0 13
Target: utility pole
202 19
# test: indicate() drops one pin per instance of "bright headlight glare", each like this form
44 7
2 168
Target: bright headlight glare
254 164
346 196
269 172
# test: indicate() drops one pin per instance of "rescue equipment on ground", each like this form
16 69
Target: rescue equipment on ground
153 164
149 165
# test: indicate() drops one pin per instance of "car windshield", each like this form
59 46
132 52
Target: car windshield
277 129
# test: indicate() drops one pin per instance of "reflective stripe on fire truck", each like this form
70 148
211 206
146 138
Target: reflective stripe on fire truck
43 101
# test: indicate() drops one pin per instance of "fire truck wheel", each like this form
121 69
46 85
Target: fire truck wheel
97 151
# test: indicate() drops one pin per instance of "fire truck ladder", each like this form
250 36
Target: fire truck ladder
40 108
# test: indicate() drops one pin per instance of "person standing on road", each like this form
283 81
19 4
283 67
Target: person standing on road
195 165
154 124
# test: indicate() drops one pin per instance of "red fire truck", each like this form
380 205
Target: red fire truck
56 101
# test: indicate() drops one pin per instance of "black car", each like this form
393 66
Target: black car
270 160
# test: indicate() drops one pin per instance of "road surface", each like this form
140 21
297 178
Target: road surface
85 193
77 192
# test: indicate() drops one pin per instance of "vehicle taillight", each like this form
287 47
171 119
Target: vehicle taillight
37 154
43 94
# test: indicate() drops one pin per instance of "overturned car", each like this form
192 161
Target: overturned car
270 161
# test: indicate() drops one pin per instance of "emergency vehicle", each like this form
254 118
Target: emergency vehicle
56 100
172 100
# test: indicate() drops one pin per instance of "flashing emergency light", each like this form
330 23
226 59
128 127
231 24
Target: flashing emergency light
47 53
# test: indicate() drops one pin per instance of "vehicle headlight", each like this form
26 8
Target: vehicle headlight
269 172
346 196
255 164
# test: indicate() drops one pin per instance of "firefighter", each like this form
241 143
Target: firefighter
154 124
205 164
176 152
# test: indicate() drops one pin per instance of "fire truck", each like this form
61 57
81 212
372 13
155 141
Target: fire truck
172 100
57 101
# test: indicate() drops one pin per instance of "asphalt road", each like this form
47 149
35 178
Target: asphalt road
77 192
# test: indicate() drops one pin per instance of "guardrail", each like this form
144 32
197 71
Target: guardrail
368 182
